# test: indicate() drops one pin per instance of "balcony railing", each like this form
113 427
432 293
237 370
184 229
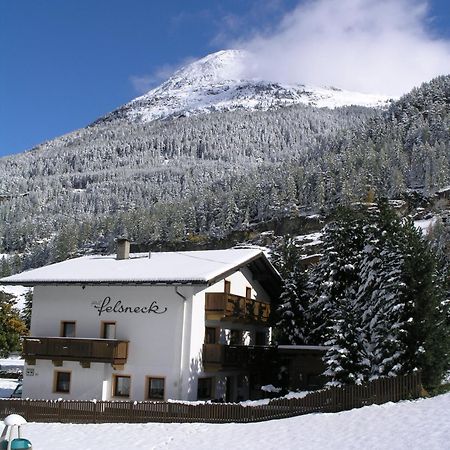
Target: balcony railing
219 306
221 356
85 350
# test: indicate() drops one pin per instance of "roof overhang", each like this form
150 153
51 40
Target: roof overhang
104 283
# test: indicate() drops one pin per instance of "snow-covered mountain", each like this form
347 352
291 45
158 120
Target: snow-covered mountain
217 82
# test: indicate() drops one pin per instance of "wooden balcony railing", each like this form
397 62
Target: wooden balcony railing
219 306
85 350
219 356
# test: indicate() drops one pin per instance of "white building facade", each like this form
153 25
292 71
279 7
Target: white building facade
178 325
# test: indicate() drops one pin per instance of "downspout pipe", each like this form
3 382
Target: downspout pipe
183 343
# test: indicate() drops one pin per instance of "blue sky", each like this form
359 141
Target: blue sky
64 63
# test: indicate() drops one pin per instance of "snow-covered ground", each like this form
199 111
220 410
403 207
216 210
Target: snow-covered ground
14 361
422 424
425 224
7 387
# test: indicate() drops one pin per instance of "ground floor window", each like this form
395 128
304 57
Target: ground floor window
62 382
121 386
205 388
155 388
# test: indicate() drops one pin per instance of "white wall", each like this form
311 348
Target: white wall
86 384
155 339
240 280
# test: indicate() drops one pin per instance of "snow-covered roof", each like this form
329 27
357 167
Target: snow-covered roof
197 267
444 190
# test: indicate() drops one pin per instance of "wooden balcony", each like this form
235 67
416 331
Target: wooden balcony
84 350
222 306
219 356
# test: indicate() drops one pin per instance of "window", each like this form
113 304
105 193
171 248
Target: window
155 388
227 287
108 330
62 382
260 338
210 335
235 337
248 292
67 329
204 389
122 385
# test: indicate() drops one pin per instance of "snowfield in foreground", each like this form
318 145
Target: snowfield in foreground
422 424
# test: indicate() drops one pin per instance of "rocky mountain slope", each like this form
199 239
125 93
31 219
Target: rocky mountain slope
217 82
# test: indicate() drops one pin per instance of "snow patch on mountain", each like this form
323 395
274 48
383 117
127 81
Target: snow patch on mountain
217 82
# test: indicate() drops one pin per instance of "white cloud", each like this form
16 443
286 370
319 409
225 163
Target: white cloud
143 83
378 46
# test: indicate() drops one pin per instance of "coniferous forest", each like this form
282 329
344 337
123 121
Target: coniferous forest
190 178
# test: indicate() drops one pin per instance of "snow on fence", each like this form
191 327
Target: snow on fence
328 400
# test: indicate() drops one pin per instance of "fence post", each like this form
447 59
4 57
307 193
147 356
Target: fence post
59 411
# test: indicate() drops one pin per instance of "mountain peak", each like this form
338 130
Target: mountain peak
217 82
225 65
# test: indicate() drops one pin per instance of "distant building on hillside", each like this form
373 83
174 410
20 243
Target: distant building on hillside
155 326
444 195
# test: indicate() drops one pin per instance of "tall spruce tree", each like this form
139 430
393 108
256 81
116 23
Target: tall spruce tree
379 294
379 300
334 280
292 320
427 332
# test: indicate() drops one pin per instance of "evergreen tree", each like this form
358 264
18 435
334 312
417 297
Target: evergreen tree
427 333
334 280
292 320
386 312
380 294
11 326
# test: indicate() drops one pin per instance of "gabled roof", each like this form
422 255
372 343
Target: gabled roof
193 267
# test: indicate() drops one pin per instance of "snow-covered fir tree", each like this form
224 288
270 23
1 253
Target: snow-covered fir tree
379 300
291 315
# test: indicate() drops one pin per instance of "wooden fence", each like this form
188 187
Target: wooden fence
327 400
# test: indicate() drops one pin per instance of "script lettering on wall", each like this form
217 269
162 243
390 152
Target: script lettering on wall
110 306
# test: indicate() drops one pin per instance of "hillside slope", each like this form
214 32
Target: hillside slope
206 175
